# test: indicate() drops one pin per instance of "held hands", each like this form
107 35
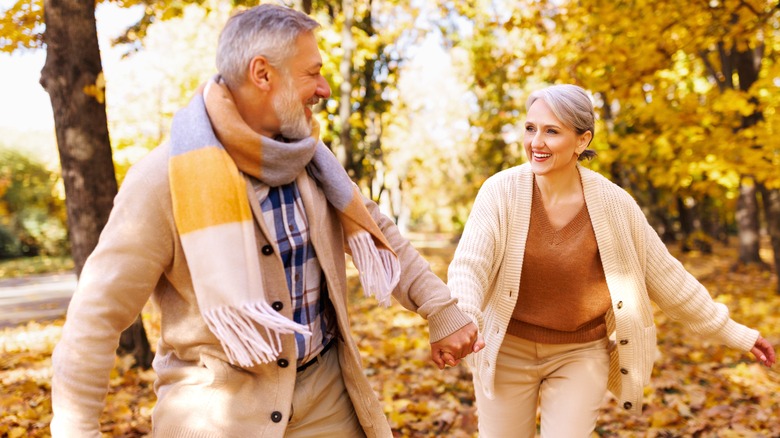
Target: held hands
453 348
764 352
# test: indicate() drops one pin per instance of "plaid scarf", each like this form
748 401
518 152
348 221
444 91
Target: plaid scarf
211 146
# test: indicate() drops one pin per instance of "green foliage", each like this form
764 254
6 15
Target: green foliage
32 210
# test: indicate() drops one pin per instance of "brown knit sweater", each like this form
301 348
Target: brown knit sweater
563 292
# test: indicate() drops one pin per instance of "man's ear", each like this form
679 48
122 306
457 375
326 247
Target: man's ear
259 73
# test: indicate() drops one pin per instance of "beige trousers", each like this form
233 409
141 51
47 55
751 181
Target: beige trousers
567 381
321 405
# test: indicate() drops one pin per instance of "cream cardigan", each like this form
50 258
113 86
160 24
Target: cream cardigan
199 394
485 277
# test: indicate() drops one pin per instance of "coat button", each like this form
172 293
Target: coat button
267 250
624 371
620 305
276 416
627 405
277 305
283 363
623 341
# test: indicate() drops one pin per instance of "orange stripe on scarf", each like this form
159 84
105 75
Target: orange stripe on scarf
207 177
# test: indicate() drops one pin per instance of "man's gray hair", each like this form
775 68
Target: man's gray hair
268 30
572 105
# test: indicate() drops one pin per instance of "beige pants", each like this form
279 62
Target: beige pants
321 405
568 382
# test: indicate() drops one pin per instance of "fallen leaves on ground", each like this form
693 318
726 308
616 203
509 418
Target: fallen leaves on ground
21 267
698 389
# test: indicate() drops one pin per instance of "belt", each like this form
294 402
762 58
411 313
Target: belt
317 357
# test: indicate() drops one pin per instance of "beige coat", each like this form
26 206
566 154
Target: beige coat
199 393
485 277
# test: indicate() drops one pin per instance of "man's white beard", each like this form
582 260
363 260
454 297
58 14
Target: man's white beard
292 117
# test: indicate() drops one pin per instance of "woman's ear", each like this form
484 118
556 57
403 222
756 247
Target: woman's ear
584 141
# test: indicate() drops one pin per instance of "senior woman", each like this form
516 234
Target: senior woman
558 267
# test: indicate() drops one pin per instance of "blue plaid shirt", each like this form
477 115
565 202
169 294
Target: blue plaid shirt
285 216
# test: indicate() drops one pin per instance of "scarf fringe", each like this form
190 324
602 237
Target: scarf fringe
238 331
379 268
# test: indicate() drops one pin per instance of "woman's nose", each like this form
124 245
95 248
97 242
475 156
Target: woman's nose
537 139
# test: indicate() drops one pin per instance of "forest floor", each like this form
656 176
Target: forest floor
698 389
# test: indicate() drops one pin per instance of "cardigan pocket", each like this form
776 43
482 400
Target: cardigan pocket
648 353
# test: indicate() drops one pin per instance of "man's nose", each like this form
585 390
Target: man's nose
323 89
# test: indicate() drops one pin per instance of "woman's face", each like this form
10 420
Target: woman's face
551 146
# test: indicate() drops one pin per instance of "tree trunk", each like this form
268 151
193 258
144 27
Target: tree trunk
747 65
686 218
134 341
658 215
72 76
72 64
693 235
747 222
771 200
345 89
712 222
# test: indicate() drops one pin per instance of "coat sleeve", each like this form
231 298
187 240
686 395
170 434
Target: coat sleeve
686 300
419 289
474 266
133 251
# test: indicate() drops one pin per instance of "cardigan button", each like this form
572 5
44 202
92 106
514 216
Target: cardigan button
283 363
624 371
627 405
277 305
276 416
620 305
623 341
267 250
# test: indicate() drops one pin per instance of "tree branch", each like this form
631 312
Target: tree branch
718 76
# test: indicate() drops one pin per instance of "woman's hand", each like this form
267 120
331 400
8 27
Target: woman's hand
764 352
453 348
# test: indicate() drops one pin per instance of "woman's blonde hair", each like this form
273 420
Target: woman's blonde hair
572 105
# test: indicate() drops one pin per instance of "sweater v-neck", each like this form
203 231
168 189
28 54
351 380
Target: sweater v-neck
552 235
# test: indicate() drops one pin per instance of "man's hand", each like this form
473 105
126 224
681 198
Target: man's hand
453 348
